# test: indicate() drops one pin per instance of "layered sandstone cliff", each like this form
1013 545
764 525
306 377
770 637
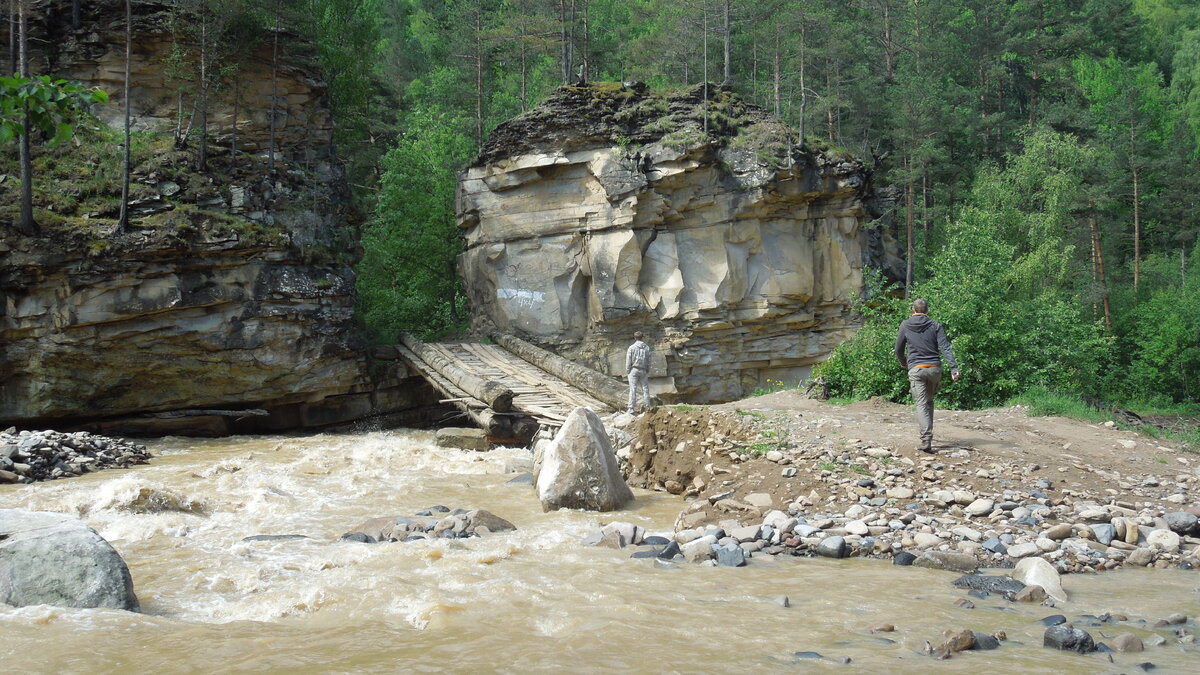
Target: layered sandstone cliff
609 209
232 289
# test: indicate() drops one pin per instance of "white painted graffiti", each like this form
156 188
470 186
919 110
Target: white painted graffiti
521 296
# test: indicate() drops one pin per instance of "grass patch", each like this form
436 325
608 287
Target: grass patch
684 408
760 449
1043 402
827 466
752 414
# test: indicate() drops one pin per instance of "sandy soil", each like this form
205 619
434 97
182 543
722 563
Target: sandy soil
706 450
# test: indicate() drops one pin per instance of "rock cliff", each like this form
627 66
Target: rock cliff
232 289
690 215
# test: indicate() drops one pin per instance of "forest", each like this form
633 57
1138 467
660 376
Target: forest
1043 155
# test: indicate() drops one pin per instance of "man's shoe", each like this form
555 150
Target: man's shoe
926 447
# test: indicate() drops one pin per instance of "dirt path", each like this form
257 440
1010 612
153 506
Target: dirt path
786 452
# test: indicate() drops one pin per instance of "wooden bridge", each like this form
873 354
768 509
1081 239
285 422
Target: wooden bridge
511 388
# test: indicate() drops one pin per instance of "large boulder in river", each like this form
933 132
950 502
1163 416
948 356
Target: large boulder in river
578 469
1035 571
55 559
611 208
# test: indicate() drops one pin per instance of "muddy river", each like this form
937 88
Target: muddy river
533 600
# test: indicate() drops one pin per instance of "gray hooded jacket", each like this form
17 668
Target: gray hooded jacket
924 339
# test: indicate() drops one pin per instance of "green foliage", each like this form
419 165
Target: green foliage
1165 364
865 366
1001 287
1041 401
52 106
406 280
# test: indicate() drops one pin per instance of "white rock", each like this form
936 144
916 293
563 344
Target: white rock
779 521
855 512
963 497
578 469
979 507
1022 550
1095 515
967 533
857 527
1035 571
1046 545
760 499
1177 498
926 540
1164 539
899 493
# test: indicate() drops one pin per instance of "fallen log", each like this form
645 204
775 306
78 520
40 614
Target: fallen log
495 395
606 389
174 414
507 428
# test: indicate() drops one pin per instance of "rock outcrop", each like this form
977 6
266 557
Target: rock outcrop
232 290
698 220
578 469
55 559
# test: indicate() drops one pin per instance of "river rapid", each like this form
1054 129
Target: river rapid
533 600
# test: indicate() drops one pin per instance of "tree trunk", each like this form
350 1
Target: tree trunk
908 223
889 57
524 66
728 45
499 426
584 64
237 91
606 389
13 67
495 395
25 225
777 76
123 218
274 87
1137 230
926 202
829 108
478 77
754 72
76 20
566 16
1099 252
202 150
803 88
704 108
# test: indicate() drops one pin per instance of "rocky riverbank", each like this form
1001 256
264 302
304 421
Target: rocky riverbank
784 475
31 456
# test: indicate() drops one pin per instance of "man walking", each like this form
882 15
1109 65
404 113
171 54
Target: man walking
637 364
926 342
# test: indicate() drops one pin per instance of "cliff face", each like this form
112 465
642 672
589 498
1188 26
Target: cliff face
232 289
609 209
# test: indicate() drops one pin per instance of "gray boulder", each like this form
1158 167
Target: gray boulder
989 584
463 438
56 559
1068 638
578 469
833 547
1182 522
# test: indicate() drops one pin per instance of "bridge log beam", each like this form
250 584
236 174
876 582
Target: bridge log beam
497 396
605 388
